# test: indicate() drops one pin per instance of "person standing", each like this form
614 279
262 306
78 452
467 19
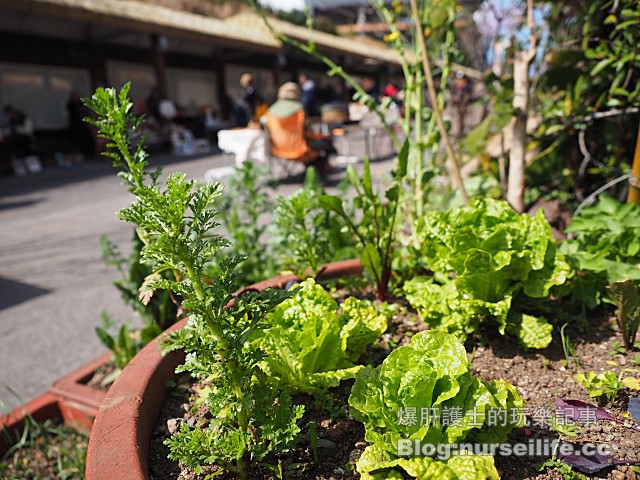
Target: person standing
251 98
80 136
308 94
20 130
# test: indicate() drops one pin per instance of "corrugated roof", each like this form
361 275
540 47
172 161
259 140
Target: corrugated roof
244 29
146 17
368 49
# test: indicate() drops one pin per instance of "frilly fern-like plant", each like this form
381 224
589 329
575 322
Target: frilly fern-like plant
248 418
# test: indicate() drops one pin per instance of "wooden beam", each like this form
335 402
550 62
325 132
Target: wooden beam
634 180
382 27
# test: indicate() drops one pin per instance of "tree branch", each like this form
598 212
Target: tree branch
456 177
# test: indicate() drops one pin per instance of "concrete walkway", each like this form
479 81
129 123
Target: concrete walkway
53 282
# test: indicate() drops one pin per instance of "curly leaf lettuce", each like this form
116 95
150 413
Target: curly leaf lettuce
485 257
606 240
431 374
376 464
313 344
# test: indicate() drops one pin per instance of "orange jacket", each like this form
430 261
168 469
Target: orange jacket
287 136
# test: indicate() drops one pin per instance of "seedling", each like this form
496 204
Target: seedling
626 296
568 347
617 349
377 229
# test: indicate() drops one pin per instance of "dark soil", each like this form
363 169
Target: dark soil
541 377
46 451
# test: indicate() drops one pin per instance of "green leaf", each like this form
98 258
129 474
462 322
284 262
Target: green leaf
352 175
105 338
610 19
626 296
366 178
601 65
474 142
473 467
363 323
331 202
371 261
403 158
533 332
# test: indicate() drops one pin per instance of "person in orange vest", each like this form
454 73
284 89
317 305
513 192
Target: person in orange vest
286 125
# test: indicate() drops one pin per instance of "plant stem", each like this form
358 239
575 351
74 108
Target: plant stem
456 176
224 352
419 139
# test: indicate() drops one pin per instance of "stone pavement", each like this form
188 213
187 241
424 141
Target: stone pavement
53 282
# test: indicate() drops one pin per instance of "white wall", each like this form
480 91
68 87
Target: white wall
42 91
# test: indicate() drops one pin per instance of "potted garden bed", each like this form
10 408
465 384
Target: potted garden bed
41 408
37 442
79 400
119 443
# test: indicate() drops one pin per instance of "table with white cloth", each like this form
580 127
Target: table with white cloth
244 143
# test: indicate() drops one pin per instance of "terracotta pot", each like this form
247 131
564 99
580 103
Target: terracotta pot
79 401
41 408
69 399
119 443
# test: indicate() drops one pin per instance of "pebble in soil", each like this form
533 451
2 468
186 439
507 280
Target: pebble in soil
544 376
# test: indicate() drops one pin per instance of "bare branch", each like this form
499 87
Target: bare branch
456 176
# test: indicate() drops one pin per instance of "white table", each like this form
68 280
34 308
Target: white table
244 143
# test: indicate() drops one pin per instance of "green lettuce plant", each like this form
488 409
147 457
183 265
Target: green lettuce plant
424 392
312 343
605 240
604 248
175 221
488 261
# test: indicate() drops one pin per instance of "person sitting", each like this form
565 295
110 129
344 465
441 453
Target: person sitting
285 121
19 134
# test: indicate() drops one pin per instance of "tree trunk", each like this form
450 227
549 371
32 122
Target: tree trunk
515 189
634 189
521 62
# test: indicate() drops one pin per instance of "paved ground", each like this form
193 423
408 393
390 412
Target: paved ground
53 283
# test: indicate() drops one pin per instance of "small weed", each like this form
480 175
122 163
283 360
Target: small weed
603 386
617 349
45 450
564 470
568 347
566 429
